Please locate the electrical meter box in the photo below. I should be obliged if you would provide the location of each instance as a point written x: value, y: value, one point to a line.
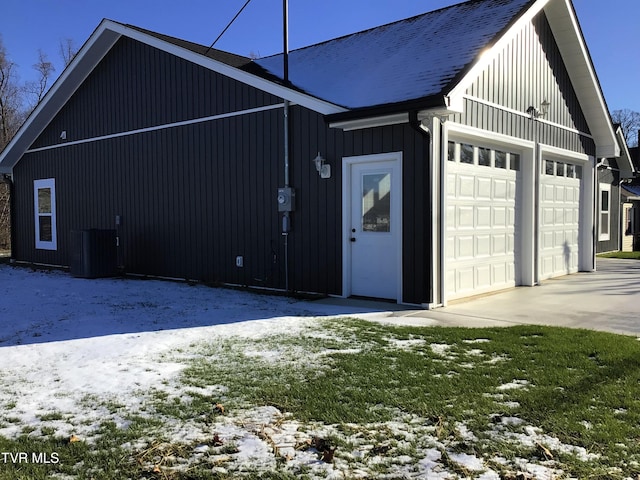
x: 286, y: 199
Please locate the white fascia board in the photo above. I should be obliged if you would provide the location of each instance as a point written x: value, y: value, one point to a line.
x: 94, y: 50
x: 575, y: 54
x: 455, y: 98
x: 91, y: 53
x: 357, y: 124
x: 312, y: 103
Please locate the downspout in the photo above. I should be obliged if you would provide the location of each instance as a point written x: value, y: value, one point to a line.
x: 286, y: 219
x: 425, y: 133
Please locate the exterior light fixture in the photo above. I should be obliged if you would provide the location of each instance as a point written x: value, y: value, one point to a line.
x: 544, y: 108
x: 534, y: 113
x: 323, y: 169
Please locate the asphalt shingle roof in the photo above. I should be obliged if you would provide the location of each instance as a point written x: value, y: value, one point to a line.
x: 411, y: 59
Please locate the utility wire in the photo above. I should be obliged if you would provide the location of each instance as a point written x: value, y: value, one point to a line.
x: 227, y: 27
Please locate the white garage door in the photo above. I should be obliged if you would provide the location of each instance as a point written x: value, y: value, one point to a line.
x: 483, y: 188
x: 559, y: 218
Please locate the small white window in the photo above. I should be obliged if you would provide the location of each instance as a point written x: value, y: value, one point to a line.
x: 605, y: 212
x: 44, y: 197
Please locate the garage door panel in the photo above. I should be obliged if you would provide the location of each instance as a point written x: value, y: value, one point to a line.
x: 483, y: 217
x: 483, y: 186
x: 500, y: 189
x: 483, y: 245
x: 483, y: 276
x: 481, y: 239
x: 465, y: 216
x: 499, y: 245
x: 466, y: 187
x: 464, y: 247
x: 560, y: 216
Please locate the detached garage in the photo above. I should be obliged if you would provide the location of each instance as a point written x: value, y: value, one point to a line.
x: 434, y: 158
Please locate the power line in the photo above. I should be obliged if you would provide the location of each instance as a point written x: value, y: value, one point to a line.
x: 227, y: 27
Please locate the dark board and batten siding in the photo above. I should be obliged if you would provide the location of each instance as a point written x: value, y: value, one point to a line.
x: 193, y: 197
x: 137, y: 86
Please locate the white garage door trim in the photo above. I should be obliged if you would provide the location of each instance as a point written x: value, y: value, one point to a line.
x: 556, y: 260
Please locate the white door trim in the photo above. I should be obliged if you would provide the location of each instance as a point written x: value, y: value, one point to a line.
x: 463, y: 133
x: 396, y: 212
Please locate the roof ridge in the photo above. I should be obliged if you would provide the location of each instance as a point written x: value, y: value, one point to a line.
x: 386, y: 25
x: 229, y: 58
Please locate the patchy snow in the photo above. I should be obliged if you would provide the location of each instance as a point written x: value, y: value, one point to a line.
x: 75, y: 353
x: 514, y: 385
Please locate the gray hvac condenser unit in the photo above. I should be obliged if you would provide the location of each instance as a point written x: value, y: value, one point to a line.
x: 93, y: 253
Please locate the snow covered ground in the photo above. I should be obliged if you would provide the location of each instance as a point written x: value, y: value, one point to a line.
x: 68, y: 346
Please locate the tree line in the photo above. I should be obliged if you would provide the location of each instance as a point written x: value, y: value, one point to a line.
x: 18, y: 98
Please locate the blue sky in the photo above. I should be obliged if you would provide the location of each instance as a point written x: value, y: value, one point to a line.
x: 610, y: 28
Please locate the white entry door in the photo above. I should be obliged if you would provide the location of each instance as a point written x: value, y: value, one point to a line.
x: 373, y: 226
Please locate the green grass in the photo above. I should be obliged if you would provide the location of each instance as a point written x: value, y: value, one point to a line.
x: 626, y: 255
x: 580, y: 387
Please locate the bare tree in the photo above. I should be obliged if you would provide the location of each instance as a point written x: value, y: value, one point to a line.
x: 37, y: 88
x: 11, y: 113
x: 67, y: 50
x: 629, y: 121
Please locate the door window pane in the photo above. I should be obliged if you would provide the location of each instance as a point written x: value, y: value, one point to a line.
x: 466, y: 153
x: 44, y: 200
x: 514, y: 161
x: 46, y: 233
x: 549, y: 167
x: 376, y: 202
x: 501, y: 159
x: 484, y: 157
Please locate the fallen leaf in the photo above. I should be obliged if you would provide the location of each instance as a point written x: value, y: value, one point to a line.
x: 74, y: 439
x: 219, y: 408
x: 156, y: 469
x: 216, y: 440
x: 545, y: 451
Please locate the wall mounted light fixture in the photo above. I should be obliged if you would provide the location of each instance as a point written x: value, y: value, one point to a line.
x: 63, y: 135
x: 537, y: 113
x: 323, y: 169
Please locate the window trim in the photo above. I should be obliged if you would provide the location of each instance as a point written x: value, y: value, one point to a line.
x: 49, y: 183
x: 604, y: 216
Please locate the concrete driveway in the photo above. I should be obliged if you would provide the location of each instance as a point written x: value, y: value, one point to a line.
x: 606, y: 300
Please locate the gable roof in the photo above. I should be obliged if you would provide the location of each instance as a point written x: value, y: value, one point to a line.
x: 624, y: 161
x: 410, y: 60
x: 421, y: 63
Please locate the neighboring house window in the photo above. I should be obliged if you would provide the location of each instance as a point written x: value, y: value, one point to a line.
x: 44, y: 196
x: 605, y: 211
